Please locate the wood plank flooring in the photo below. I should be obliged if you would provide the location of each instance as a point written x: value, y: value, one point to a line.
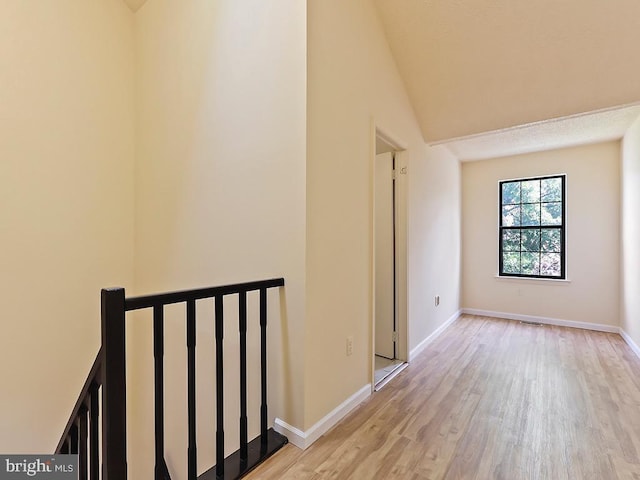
x: 490, y: 399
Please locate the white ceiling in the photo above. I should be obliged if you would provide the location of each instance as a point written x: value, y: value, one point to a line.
x: 473, y: 66
x: 604, y: 125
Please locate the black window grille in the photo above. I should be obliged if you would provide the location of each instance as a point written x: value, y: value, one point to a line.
x: 532, y: 227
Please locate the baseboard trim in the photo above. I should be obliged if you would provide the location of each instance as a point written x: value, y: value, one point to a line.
x: 633, y: 345
x: 293, y: 434
x: 546, y: 320
x: 417, y: 350
x: 304, y: 439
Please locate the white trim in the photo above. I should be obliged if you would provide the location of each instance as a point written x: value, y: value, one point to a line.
x: 304, y: 439
x: 423, y: 344
x: 507, y: 278
x: 546, y: 320
x: 294, y: 435
x: 633, y: 345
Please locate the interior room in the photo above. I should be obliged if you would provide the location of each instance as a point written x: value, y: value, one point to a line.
x: 361, y: 151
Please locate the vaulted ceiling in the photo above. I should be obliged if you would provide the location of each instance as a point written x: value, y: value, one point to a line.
x: 473, y: 66
x: 497, y: 77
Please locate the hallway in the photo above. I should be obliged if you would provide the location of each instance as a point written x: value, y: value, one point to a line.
x: 490, y: 399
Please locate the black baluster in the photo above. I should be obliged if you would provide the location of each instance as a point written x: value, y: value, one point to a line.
x: 191, y: 386
x: 242, y: 314
x: 94, y: 416
x: 82, y: 439
x: 73, y: 436
x: 263, y: 368
x: 219, y: 319
x: 158, y: 357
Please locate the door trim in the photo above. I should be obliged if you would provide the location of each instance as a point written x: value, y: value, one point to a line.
x: 401, y: 157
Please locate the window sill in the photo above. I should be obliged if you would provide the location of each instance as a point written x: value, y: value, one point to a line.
x: 561, y: 281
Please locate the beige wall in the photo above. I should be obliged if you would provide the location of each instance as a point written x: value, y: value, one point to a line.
x: 66, y: 202
x: 593, y: 236
x: 630, y: 255
x: 434, y: 242
x: 220, y: 177
x: 352, y: 78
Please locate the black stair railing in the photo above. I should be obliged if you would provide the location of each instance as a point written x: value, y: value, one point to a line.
x: 108, y: 378
x: 81, y: 433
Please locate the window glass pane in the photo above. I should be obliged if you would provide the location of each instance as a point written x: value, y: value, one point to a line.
x: 531, y: 214
x: 510, y: 193
x: 551, y: 190
x: 511, y: 216
x: 530, y: 240
x: 531, y: 191
x: 550, y: 264
x: 511, y: 263
x: 550, y: 240
x: 552, y: 213
x: 511, y: 240
x: 530, y: 263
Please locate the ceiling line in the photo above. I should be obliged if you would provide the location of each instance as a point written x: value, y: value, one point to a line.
x: 532, y: 124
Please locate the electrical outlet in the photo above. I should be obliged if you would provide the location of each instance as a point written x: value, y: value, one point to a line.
x: 349, y: 345
x: 437, y: 300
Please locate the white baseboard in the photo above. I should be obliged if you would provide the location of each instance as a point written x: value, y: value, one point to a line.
x: 423, y: 344
x: 304, y: 439
x: 546, y: 320
x: 633, y: 345
x: 293, y: 434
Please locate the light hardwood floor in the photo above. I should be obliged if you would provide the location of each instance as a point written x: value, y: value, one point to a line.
x: 490, y: 399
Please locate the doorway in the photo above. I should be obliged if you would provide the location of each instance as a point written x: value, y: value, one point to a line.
x: 387, y: 359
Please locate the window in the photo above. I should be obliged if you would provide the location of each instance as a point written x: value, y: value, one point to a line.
x: 532, y: 227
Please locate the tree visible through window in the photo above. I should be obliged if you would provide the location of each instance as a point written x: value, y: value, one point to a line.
x: 532, y: 220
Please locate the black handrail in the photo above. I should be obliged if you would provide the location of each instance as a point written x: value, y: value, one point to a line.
x: 108, y: 378
x: 148, y: 301
x: 87, y: 396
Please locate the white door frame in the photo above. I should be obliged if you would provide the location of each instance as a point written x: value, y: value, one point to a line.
x: 400, y: 149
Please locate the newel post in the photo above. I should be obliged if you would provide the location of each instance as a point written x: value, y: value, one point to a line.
x: 114, y: 395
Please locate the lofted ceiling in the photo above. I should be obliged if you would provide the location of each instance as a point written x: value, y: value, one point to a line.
x: 601, y: 126
x: 489, y: 78
x: 475, y: 66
